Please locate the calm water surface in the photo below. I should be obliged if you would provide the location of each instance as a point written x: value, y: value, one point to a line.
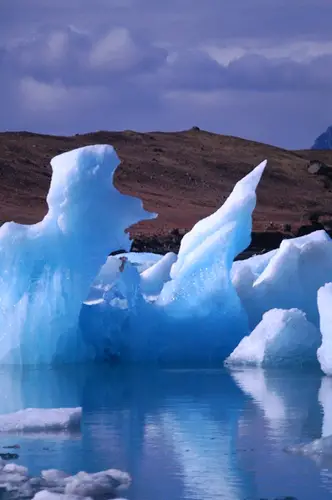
x: 181, y: 434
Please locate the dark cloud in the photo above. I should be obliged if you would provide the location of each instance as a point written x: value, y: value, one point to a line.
x: 197, y: 71
x: 256, y: 69
x: 76, y: 58
x: 182, y: 21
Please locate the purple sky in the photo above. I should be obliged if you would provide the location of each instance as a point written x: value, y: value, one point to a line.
x: 260, y: 69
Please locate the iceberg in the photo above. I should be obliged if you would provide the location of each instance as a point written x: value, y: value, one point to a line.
x: 295, y: 280
x: 56, y: 485
x: 287, y: 278
x: 153, y: 279
x: 324, y: 352
x: 195, y: 315
x: 283, y: 337
x: 35, y: 420
x: 64, y: 299
x: 47, y: 269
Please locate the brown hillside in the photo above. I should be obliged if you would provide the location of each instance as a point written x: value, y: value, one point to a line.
x: 183, y: 175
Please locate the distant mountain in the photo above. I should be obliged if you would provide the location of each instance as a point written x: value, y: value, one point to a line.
x: 324, y: 141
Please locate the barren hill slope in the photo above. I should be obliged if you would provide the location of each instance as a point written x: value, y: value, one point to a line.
x: 182, y: 175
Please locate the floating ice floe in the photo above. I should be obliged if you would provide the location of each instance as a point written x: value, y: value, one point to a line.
x: 36, y: 420
x: 295, y: 276
x: 57, y: 485
x: 325, y: 312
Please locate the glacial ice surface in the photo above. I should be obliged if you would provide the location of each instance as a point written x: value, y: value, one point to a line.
x: 297, y: 275
x: 153, y: 279
x: 286, y: 278
x: 324, y: 352
x: 195, y: 314
x: 47, y: 269
x: 35, y: 420
x: 63, y: 299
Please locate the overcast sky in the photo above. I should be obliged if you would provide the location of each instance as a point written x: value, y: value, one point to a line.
x: 260, y: 69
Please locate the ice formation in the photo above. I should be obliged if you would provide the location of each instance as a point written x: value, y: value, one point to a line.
x: 195, y: 314
x: 63, y: 299
x: 35, y: 420
x: 324, y: 353
x: 154, y: 278
x: 56, y: 485
x: 295, y: 276
x: 46, y: 270
x: 283, y: 337
x: 287, y: 278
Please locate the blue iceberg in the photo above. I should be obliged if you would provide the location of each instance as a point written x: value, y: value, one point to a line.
x: 64, y: 299
x: 286, y: 294
x: 178, y: 311
x: 47, y: 269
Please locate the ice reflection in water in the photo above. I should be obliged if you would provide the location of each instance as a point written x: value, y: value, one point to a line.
x: 181, y: 434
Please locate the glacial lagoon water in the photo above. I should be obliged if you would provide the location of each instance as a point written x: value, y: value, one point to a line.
x: 182, y: 434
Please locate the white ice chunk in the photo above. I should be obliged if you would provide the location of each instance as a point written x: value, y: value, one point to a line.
x: 291, y: 278
x: 101, y: 484
x: 283, y: 337
x: 33, y: 420
x: 16, y: 483
x: 324, y: 353
x: 154, y: 278
x: 15, y: 469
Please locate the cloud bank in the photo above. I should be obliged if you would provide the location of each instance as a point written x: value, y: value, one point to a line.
x: 241, y: 68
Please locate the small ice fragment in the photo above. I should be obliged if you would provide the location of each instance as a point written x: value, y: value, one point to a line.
x: 101, y: 484
x: 33, y: 420
x: 54, y: 484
